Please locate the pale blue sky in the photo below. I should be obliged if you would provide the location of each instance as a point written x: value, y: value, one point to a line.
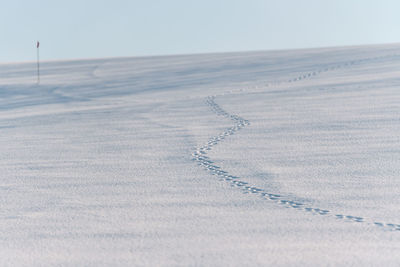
x: 99, y: 28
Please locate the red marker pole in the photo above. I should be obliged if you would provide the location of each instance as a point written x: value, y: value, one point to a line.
x: 38, y: 69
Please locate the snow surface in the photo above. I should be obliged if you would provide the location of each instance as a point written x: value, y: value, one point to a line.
x: 274, y: 158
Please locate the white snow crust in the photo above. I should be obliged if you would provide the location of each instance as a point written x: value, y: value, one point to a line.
x: 280, y: 158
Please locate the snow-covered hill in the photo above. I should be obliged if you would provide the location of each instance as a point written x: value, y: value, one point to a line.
x: 261, y: 158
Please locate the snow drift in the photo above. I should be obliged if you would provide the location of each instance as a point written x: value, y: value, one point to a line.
x: 258, y: 158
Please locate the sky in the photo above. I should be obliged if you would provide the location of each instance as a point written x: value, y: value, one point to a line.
x: 71, y: 29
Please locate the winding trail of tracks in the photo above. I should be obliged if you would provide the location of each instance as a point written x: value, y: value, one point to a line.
x: 200, y: 156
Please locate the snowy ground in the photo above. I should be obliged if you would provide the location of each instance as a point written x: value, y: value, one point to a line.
x: 242, y: 159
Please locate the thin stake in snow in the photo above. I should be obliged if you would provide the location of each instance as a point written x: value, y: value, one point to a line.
x: 38, y: 68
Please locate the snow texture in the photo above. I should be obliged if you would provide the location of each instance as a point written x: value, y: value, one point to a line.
x: 277, y: 158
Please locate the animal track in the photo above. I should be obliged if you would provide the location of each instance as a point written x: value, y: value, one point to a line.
x: 200, y: 156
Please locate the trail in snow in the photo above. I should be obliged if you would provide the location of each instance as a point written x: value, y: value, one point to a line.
x: 200, y: 156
